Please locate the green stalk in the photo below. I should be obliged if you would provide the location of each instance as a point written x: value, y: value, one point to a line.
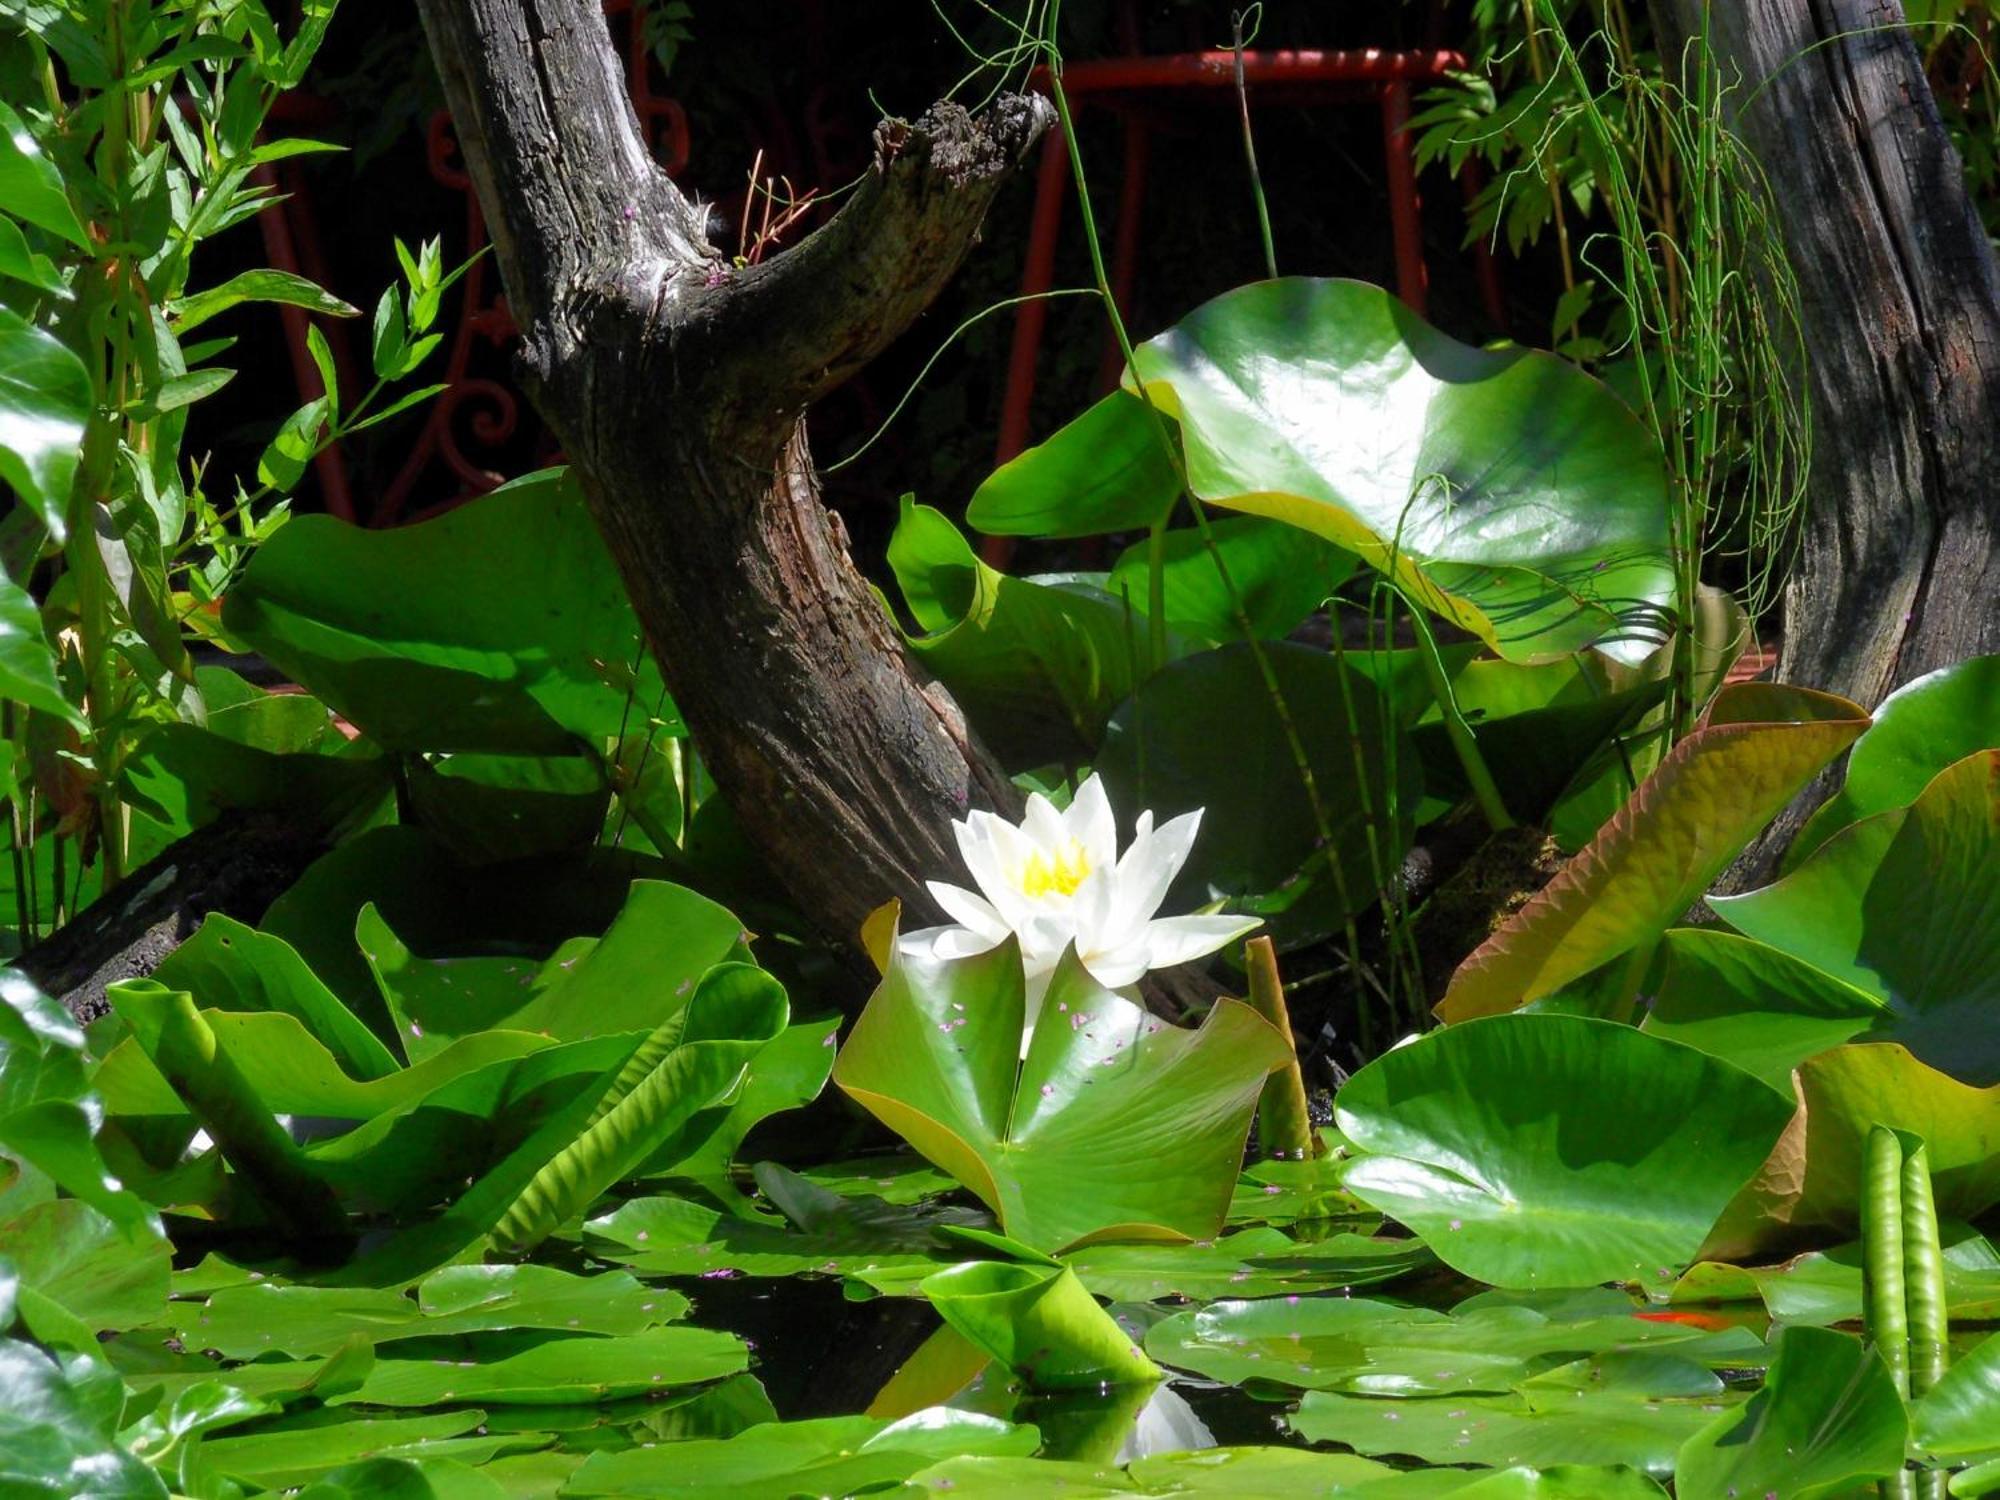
x: 1923, y: 1275
x: 1236, y: 21
x: 1322, y: 823
x: 1924, y: 1291
x: 1284, y: 1124
x: 1885, y: 1307
x: 1485, y: 791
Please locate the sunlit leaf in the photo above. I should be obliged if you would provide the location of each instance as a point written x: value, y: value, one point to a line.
x: 1827, y: 1420
x: 1516, y: 1146
x: 1755, y: 748
x: 1115, y: 1125
x: 45, y: 400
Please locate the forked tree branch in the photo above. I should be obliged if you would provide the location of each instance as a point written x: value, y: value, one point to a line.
x: 677, y: 383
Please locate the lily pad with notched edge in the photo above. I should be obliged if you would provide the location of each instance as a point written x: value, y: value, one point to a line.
x: 1367, y: 1347
x: 1502, y: 488
x: 1116, y: 1125
x: 1511, y: 1145
x: 1922, y: 727
x: 1905, y: 906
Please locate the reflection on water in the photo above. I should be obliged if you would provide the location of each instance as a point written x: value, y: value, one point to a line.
x: 820, y: 1355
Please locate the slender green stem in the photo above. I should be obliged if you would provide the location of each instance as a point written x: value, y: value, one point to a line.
x: 1464, y: 744
x: 1322, y: 823
x: 1237, y: 21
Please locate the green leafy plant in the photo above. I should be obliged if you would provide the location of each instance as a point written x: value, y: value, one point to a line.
x: 134, y: 135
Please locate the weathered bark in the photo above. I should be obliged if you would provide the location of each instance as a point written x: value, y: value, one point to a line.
x: 678, y: 384
x: 1899, y: 568
x: 237, y: 865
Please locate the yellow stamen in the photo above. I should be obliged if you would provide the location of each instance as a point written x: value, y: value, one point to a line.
x: 1062, y: 876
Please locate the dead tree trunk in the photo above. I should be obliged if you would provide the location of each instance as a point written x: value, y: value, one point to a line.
x: 678, y: 384
x: 1899, y: 568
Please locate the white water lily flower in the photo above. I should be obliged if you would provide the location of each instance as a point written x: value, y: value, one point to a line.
x: 1058, y: 879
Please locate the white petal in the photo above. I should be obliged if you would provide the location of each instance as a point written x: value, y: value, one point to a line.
x: 1043, y: 938
x: 975, y: 847
x: 922, y: 943
x: 1044, y: 825
x: 1176, y: 940
x: 1090, y: 823
x: 991, y: 847
x: 961, y: 942
x: 1038, y: 989
x: 1117, y: 967
x: 1090, y: 908
x: 968, y: 910
x: 1149, y: 868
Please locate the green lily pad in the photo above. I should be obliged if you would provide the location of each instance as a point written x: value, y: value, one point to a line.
x: 1366, y: 1347
x: 440, y: 906
x: 495, y: 807
x: 1753, y: 1004
x: 1827, y: 1420
x: 607, y: 1131
x: 1248, y: 1263
x: 1116, y: 1125
x: 1504, y: 489
x: 1538, y: 727
x: 184, y: 777
x: 229, y: 966
x: 1818, y: 1168
x: 830, y: 1455
x: 1259, y: 837
x: 1959, y: 1417
x: 253, y: 1321
x: 306, y: 1446
x: 1823, y: 1287
x: 560, y: 1372
x: 1905, y: 906
x: 786, y: 1074
x: 641, y: 971
x: 433, y: 1002
x: 667, y: 1236
x: 1105, y: 471
x: 1757, y: 746
x: 1038, y: 667
x: 1272, y: 1474
x: 1922, y: 727
x: 1278, y: 575
x: 1512, y: 1145
x: 1278, y: 1191
x: 292, y: 1072
x: 1634, y: 1428
x: 407, y: 638
x: 901, y: 1177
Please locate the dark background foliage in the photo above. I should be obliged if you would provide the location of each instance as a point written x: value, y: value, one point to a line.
x: 804, y: 81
